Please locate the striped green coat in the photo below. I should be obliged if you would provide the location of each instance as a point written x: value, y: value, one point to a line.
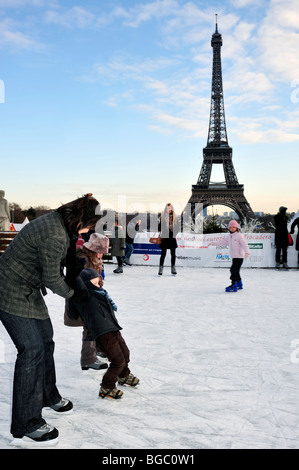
x: 33, y: 260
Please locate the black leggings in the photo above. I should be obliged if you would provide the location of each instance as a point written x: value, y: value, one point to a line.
x: 281, y: 249
x: 119, y: 261
x: 163, y: 254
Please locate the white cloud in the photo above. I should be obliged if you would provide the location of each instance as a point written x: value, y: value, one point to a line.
x: 279, y: 38
x: 243, y: 31
x: 189, y: 125
x: 179, y: 23
x: 267, y: 129
x: 11, y: 37
x: 75, y: 17
x: 122, y: 68
x: 26, y: 3
x: 256, y: 55
x: 250, y: 83
x: 245, y: 3
x: 139, y: 14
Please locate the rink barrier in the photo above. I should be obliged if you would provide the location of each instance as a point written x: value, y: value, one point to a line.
x: 193, y: 251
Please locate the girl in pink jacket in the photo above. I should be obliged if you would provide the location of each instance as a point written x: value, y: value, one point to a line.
x: 238, y: 251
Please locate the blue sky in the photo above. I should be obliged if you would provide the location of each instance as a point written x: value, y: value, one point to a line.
x: 113, y: 97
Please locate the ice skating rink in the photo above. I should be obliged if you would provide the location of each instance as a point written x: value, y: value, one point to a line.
x: 217, y: 370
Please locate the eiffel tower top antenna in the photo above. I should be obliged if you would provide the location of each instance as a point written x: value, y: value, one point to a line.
x: 216, y: 23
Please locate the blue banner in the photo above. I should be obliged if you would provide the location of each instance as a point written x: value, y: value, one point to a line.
x: 146, y: 249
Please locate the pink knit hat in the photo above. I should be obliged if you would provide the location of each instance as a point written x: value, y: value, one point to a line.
x: 233, y: 223
x: 98, y: 243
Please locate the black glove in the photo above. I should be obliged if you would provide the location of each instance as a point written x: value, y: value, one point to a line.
x: 71, y: 310
x: 80, y: 293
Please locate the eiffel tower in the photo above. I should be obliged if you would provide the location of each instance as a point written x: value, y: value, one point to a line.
x: 217, y: 152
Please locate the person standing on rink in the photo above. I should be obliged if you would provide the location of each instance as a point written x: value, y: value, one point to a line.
x: 239, y: 250
x: 132, y: 229
x: 281, y: 238
x: 168, y: 228
x: 34, y: 261
x: 118, y: 243
x: 296, y: 224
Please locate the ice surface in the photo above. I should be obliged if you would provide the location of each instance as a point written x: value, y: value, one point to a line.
x: 217, y: 370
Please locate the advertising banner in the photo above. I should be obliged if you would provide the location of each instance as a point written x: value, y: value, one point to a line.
x: 194, y: 251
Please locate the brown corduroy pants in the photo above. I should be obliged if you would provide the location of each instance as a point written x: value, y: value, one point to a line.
x: 114, y: 346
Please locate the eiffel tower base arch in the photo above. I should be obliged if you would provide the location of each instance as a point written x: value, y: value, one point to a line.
x: 232, y: 198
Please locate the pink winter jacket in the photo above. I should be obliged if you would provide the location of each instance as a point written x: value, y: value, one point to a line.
x: 238, y: 246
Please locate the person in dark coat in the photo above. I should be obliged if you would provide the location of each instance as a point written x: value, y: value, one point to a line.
x: 98, y: 314
x: 281, y: 237
x: 296, y: 224
x: 132, y: 229
x: 34, y: 261
x: 118, y: 243
x: 168, y: 228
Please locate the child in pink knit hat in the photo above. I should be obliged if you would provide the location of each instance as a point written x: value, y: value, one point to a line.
x: 238, y: 251
x: 89, y: 255
x: 98, y: 243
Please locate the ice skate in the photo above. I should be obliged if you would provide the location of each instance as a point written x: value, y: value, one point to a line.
x: 101, y: 354
x: 127, y: 262
x: 232, y: 288
x: 97, y: 365
x: 118, y: 270
x: 45, y: 436
x: 63, y: 406
x: 113, y: 393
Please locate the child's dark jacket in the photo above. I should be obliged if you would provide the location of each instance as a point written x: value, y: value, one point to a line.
x: 96, y: 312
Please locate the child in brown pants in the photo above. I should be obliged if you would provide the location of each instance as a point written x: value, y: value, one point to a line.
x: 97, y: 312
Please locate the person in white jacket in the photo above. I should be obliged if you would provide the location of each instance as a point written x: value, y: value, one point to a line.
x: 239, y: 250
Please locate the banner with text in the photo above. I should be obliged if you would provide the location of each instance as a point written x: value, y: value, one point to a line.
x: 194, y: 250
